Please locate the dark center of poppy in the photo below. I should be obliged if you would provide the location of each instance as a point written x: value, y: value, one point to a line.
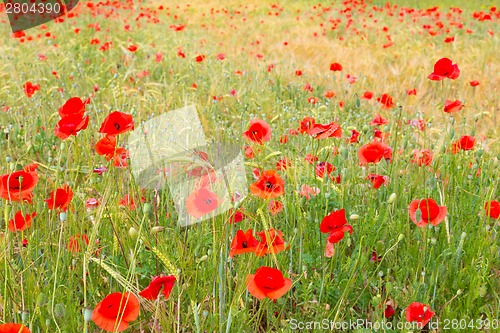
x: 269, y: 185
x: 208, y: 201
x: 244, y: 244
x: 117, y: 126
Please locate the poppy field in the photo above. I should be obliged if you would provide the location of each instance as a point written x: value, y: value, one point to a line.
x: 369, y: 136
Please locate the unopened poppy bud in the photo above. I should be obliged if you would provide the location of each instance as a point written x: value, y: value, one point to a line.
x: 209, y: 252
x: 25, y: 316
x: 62, y: 216
x: 157, y: 229
x: 87, y: 314
x: 8, y: 159
x: 459, y: 292
x: 392, y: 198
x: 12, y: 167
x: 59, y: 310
x: 452, y: 133
x: 327, y: 307
x: 146, y: 208
x: 354, y: 217
x: 203, y: 258
x: 482, y: 291
x: 132, y: 232
x: 8, y: 209
x: 344, y: 152
x: 401, y: 237
x: 380, y: 273
x: 41, y: 299
x: 63, y: 145
x: 47, y: 322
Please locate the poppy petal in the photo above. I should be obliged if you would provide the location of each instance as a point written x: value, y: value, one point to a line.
x: 440, y: 217
x: 253, y: 289
x: 275, y: 294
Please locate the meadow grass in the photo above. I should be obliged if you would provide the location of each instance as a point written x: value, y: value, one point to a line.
x: 453, y: 267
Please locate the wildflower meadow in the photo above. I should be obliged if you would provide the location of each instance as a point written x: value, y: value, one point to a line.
x: 250, y: 166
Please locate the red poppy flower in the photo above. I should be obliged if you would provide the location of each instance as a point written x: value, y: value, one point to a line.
x: 13, y: 328
x: 30, y: 89
x: 132, y: 48
x: 71, y: 125
x: 73, y: 106
x: 19, y: 185
x: 336, y: 224
x: 377, y: 180
x: 444, y: 68
x: 329, y: 249
x: 335, y: 67
x: 367, y: 95
x: 428, y: 211
x: 20, y: 222
x: 329, y: 94
x: 283, y: 164
x: 492, y: 209
x: 270, y: 242
x: 274, y: 207
x: 127, y: 201
x: 332, y: 221
x: 243, y: 242
x: 420, y: 313
x: 323, y: 168
x: 389, y: 311
x: 237, y: 217
x: 120, y: 158
x: 152, y: 291
x: 116, y: 311
x: 411, y: 92
x: 313, y: 100
x: 308, y: 191
x: 117, y: 123
x: 474, y: 83
x: 91, y: 203
x: 268, y: 186
x: 465, y: 142
x: 306, y: 125
x: 76, y: 241
x: 268, y: 282
x: 321, y: 131
x: 258, y: 132
x: 378, y: 120
x: 60, y: 198
x: 310, y: 158
x: 418, y: 123
x: 201, y: 202
x: 386, y: 101
x: 422, y: 157
x: 200, y: 58
x: 375, y: 258
x: 354, y: 136
x: 106, y: 146
x: 249, y: 152
x: 450, y: 106
x: 373, y: 152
